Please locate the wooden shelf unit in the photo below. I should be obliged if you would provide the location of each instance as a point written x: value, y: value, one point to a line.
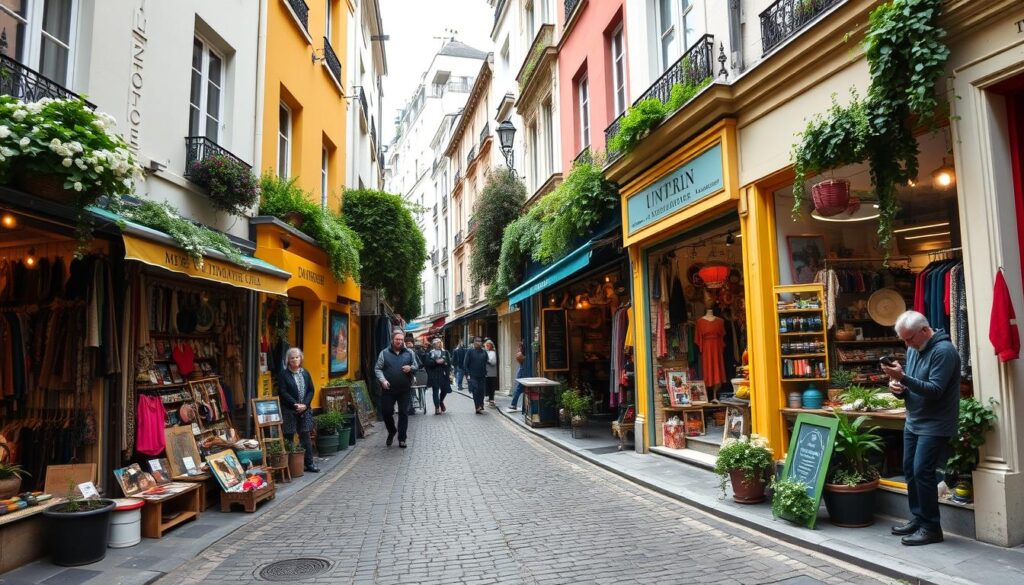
x: 818, y: 358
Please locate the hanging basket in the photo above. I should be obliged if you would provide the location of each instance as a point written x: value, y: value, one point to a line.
x: 831, y: 196
x: 714, y: 275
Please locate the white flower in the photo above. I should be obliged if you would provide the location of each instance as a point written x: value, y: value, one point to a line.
x: 98, y: 169
x: 24, y: 141
x: 81, y: 164
x: 55, y: 143
x: 728, y: 442
x: 67, y: 162
x: 78, y: 186
x: 2, y: 158
x: 19, y: 115
x: 75, y: 146
x: 4, y: 131
x: 7, y: 151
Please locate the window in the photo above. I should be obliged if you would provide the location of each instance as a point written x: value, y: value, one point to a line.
x: 205, y: 97
x: 534, y: 155
x: 327, y: 21
x: 530, y: 30
x: 618, y: 72
x: 583, y: 91
x: 666, y: 32
x: 40, y: 35
x: 324, y: 160
x: 284, y: 142
x: 547, y: 120
x: 673, y: 27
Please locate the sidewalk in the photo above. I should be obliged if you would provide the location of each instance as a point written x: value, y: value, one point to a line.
x: 152, y: 558
x: 958, y: 560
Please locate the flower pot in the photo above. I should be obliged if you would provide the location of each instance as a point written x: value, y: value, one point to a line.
x: 851, y: 507
x: 278, y: 460
x: 835, y: 393
x: 327, y: 444
x: 746, y: 492
x: 831, y: 196
x: 297, y: 464
x: 9, y: 487
x: 344, y: 435
x: 79, y: 538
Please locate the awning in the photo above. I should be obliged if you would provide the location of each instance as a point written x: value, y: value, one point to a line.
x: 576, y: 260
x: 158, y: 249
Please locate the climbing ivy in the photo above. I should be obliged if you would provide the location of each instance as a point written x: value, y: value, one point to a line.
x: 501, y: 201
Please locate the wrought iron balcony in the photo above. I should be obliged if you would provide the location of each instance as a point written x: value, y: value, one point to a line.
x: 28, y: 85
x: 474, y: 294
x: 470, y: 225
x: 485, y: 132
x: 363, y: 107
x: 570, y: 6
x: 460, y: 299
x: 785, y: 18
x: 583, y: 157
x: 301, y: 11
x: 333, y: 64
x: 433, y: 258
x: 444, y: 255
x: 440, y: 306
x: 458, y: 238
x: 696, y: 65
x: 200, y: 148
x: 471, y: 156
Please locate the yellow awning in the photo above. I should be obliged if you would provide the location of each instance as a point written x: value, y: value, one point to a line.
x: 176, y: 260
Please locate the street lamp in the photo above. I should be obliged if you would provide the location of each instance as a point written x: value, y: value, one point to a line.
x: 506, y: 136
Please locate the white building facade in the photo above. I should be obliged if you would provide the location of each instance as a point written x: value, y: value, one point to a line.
x: 367, y: 65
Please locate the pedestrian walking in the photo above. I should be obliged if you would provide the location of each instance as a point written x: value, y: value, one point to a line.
x: 517, y: 388
x: 475, y: 366
x: 394, y: 371
x: 295, y: 389
x: 930, y: 386
x: 459, y: 355
x: 417, y: 352
x: 438, y: 372
x: 492, y: 372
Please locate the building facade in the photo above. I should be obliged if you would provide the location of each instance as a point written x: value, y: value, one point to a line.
x: 366, y: 66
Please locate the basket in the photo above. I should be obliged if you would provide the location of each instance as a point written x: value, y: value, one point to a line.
x: 831, y: 196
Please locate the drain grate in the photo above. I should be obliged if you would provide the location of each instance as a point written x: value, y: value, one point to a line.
x: 292, y: 569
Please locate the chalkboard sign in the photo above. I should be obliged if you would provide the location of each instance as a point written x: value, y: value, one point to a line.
x: 554, y: 346
x: 810, y: 450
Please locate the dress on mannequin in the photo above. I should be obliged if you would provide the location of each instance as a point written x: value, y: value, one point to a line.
x: 710, y: 336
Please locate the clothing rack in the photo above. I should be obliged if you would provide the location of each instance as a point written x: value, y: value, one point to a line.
x: 946, y: 252
x: 866, y: 259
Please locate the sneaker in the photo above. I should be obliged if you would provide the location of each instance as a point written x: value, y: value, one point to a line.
x: 391, y: 439
x: 402, y: 444
x: 479, y: 411
x: 512, y: 409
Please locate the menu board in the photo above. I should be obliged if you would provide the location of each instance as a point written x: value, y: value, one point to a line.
x: 554, y: 346
x: 810, y: 449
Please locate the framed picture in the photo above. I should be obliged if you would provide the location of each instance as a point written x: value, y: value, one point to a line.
x: 694, y: 422
x: 337, y: 398
x: 698, y: 392
x: 133, y: 480
x: 858, y: 333
x: 266, y: 411
x: 338, y: 348
x: 161, y: 470
x: 677, y: 386
x: 733, y: 423
x: 181, y: 444
x: 227, y: 469
x: 806, y: 257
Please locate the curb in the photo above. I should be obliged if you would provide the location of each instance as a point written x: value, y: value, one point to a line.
x: 851, y: 558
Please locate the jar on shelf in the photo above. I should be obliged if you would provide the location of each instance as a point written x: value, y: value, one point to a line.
x: 812, y: 397
x: 795, y: 399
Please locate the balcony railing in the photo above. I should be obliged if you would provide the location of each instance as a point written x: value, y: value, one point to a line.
x: 333, y: 64
x: 570, y: 6
x: 470, y: 156
x: 460, y: 299
x: 433, y: 258
x: 785, y: 18
x: 444, y: 254
x: 458, y: 238
x: 485, y: 132
x: 474, y: 294
x: 696, y: 65
x: 29, y: 85
x: 301, y: 11
x: 199, y: 148
x: 440, y: 306
x: 583, y: 157
x: 470, y: 225
x: 363, y: 107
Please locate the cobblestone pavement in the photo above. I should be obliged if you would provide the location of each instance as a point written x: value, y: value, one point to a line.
x: 475, y: 500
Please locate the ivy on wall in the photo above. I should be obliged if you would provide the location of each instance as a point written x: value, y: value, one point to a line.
x: 648, y: 112
x: 501, y: 201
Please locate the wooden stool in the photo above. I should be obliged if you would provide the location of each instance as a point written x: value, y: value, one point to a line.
x: 286, y: 473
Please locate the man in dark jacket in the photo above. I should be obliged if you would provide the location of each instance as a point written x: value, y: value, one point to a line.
x: 394, y: 371
x: 930, y: 386
x: 458, y: 356
x: 475, y: 366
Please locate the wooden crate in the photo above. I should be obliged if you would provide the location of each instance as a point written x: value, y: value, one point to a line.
x: 248, y: 500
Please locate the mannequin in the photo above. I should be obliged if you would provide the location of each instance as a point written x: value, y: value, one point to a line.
x: 710, y: 334
x: 710, y: 315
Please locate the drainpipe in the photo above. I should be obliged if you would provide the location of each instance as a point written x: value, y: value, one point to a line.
x: 261, y: 79
x: 736, y: 35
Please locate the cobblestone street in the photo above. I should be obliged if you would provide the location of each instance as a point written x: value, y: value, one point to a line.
x: 475, y: 500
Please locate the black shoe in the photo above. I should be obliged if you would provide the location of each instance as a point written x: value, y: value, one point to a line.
x: 391, y: 439
x: 922, y: 537
x: 402, y: 444
x: 312, y: 469
x: 905, y: 529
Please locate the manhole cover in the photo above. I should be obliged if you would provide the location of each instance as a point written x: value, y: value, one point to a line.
x: 291, y: 569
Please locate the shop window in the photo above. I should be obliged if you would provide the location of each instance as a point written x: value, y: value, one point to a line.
x: 284, y: 141
x: 41, y: 34
x: 206, y: 95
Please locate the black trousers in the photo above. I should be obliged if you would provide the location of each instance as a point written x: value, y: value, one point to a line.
x: 492, y: 387
x: 306, y: 444
x: 388, y: 399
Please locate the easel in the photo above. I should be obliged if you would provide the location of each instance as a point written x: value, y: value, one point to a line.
x: 270, y: 429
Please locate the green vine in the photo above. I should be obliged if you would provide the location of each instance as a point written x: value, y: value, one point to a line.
x: 647, y: 113
x: 501, y: 201
x: 518, y: 240
x: 196, y: 240
x: 583, y: 200
x: 906, y: 56
x: 531, y: 64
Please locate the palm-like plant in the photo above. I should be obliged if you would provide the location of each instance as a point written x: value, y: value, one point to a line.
x: 854, y: 446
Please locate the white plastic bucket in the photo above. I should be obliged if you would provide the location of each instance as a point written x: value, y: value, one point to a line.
x: 126, y: 523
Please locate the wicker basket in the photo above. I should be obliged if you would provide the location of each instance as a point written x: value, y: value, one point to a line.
x: 831, y: 196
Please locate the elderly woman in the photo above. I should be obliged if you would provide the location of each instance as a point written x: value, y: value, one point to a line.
x: 438, y: 365
x: 295, y: 389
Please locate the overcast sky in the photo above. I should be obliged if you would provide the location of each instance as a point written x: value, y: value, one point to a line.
x: 412, y: 26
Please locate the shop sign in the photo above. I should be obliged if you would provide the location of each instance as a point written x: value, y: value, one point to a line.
x: 694, y: 180
x: 810, y: 450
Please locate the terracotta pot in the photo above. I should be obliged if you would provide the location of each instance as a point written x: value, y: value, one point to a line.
x: 9, y: 487
x: 277, y: 460
x: 297, y: 464
x: 834, y: 393
x: 745, y: 492
x: 851, y: 507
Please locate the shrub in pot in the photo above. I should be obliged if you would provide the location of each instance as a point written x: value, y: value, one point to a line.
x: 10, y: 478
x: 230, y: 184
x: 790, y: 501
x: 275, y: 453
x: 745, y: 462
x: 839, y: 380
x: 853, y: 480
x: 327, y: 436
x: 79, y: 530
x: 296, y: 459
x: 973, y: 425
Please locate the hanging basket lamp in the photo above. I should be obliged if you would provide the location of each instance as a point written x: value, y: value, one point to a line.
x: 831, y: 196
x: 714, y: 275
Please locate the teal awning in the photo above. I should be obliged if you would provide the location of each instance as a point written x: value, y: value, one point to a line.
x: 577, y: 260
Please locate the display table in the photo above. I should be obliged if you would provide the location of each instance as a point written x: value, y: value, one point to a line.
x: 209, y: 488
x: 161, y: 513
x: 540, y: 403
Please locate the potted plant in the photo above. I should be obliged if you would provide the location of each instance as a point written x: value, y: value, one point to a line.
x: 296, y: 459
x: 565, y: 407
x: 327, y: 435
x: 229, y: 183
x: 839, y: 381
x: 853, y: 479
x: 79, y: 529
x: 745, y: 462
x: 10, y: 476
x: 275, y: 453
x: 791, y: 501
x: 973, y: 425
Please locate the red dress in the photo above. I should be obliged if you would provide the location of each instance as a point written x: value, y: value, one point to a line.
x: 711, y: 341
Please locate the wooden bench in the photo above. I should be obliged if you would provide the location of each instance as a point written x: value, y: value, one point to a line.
x: 160, y: 515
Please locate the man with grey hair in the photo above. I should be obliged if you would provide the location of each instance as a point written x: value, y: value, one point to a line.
x: 394, y: 370
x: 930, y: 386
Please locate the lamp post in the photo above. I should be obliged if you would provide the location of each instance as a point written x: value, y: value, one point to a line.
x: 506, y: 136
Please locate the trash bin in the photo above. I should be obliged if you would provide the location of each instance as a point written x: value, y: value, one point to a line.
x: 126, y: 523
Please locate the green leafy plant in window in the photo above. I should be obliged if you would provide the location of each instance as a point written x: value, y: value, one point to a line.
x: 501, y: 202
x: 230, y: 183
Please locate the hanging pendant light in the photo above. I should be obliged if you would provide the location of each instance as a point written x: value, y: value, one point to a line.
x: 944, y: 177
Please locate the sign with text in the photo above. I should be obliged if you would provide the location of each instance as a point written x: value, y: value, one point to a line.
x: 694, y: 180
x: 810, y: 450
x: 554, y: 346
